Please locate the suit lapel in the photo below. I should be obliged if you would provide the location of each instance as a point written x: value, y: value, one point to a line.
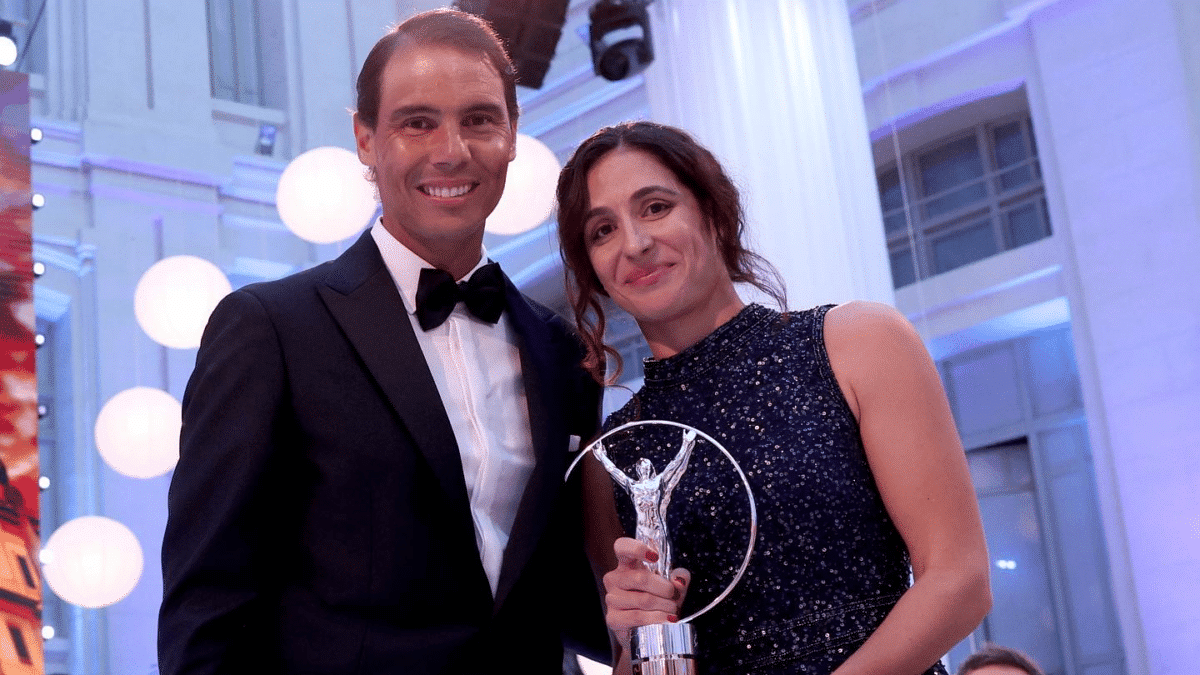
x: 363, y: 299
x: 542, y: 374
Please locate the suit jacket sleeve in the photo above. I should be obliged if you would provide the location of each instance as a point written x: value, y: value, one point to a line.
x: 584, y: 631
x: 226, y: 499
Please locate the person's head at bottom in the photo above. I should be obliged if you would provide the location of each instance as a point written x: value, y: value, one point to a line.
x: 997, y: 660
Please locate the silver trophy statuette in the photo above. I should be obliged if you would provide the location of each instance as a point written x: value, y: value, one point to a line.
x: 669, y: 648
x: 651, y: 493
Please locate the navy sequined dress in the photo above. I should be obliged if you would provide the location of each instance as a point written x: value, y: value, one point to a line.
x: 828, y: 563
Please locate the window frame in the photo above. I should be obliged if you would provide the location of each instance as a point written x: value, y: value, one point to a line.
x: 920, y: 234
x: 1031, y: 428
x: 256, y: 77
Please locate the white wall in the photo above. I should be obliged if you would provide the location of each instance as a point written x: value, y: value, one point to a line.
x: 1117, y: 102
x: 1112, y: 87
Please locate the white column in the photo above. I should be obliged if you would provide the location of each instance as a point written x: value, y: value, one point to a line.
x: 772, y: 88
x: 1115, y: 90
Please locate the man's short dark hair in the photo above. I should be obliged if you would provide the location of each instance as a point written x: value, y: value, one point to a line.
x: 440, y: 27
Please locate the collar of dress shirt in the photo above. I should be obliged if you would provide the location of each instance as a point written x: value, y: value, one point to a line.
x: 405, y: 266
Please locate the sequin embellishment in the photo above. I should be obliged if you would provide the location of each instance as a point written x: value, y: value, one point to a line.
x: 828, y: 564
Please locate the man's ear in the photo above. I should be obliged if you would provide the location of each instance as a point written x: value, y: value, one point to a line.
x: 512, y: 152
x: 364, y: 141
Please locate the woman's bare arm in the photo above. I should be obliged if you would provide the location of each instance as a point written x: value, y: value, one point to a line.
x: 920, y: 468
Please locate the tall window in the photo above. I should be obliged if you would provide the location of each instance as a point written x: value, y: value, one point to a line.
x: 246, y: 51
x: 1019, y: 409
x: 962, y: 199
x: 28, y: 19
x: 54, y: 415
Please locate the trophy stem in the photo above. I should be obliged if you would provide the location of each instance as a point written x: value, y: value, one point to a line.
x: 663, y: 649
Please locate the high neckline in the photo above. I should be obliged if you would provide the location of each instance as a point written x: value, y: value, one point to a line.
x: 709, y: 351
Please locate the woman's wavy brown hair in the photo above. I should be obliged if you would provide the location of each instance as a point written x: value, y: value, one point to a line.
x: 696, y: 168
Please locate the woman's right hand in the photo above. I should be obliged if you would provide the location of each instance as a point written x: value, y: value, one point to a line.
x: 635, y: 596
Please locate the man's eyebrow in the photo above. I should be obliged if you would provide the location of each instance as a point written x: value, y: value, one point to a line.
x: 409, y: 110
x: 490, y: 108
x: 420, y: 109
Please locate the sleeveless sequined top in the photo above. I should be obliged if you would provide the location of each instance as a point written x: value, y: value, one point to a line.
x: 828, y: 563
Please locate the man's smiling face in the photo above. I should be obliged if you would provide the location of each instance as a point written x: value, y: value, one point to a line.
x: 440, y: 150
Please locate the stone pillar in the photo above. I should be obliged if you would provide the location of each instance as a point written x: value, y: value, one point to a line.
x: 772, y: 88
x: 1117, y: 88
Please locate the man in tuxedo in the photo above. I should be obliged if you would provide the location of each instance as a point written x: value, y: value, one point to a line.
x: 372, y: 457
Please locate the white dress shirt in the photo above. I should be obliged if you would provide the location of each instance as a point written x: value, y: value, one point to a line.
x: 477, y: 369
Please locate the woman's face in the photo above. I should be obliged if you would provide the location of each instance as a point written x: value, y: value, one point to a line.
x: 649, y: 243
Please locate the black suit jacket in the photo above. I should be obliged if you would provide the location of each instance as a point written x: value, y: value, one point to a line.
x: 318, y: 516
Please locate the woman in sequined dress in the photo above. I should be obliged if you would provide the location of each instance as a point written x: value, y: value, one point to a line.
x: 836, y: 414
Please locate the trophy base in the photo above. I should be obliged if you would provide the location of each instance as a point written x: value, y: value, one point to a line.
x: 663, y: 649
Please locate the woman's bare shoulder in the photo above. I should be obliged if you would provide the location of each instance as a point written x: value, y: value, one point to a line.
x: 863, y: 324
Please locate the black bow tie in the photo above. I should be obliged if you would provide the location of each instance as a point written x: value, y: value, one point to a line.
x: 437, y: 294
